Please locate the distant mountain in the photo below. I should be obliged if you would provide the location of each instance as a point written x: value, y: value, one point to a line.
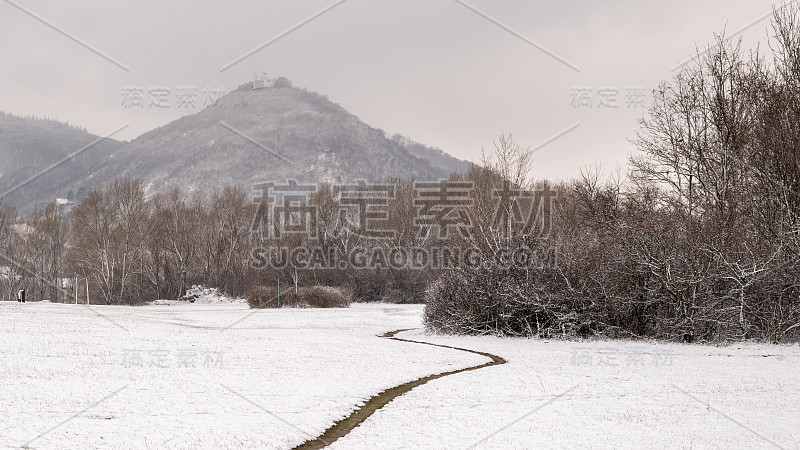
x: 30, y: 145
x: 275, y: 133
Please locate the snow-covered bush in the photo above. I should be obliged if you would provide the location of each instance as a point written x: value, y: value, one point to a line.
x: 494, y: 299
x: 313, y: 296
x: 326, y: 297
x: 261, y: 297
x: 206, y: 295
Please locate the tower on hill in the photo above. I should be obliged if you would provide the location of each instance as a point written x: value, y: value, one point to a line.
x: 262, y: 81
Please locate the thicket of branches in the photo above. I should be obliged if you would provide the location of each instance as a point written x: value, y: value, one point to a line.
x: 701, y: 242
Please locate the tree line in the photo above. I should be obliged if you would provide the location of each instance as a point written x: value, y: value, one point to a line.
x: 129, y: 247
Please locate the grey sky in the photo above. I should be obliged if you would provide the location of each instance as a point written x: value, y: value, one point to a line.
x: 432, y: 70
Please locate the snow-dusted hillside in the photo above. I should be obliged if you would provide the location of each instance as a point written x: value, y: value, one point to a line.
x: 274, y: 134
x: 28, y: 146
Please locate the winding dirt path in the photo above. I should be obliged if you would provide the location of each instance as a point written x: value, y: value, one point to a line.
x: 378, y: 401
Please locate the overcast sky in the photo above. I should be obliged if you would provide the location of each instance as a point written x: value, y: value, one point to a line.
x: 433, y: 70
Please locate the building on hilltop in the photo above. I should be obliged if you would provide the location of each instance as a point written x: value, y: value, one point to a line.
x: 262, y: 81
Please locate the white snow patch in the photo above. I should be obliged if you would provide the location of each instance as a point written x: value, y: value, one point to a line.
x: 598, y: 395
x: 72, y: 377
x: 200, y: 295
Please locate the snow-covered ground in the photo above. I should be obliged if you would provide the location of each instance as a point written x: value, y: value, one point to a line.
x: 196, y: 376
x: 223, y: 376
x: 598, y: 395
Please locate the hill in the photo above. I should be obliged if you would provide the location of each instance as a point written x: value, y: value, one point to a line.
x: 277, y: 133
x: 30, y: 145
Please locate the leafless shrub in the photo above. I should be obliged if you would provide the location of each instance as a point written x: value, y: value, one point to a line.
x: 325, y: 297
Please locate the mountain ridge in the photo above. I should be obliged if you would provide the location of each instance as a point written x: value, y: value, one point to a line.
x: 275, y: 133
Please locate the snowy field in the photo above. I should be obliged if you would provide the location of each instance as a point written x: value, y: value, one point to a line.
x: 599, y: 395
x: 221, y: 376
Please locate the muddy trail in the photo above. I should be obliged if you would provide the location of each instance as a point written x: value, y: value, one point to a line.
x: 378, y: 401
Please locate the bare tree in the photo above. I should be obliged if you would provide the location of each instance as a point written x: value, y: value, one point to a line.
x: 11, y: 274
x: 177, y: 225
x: 111, y: 230
x: 46, y: 241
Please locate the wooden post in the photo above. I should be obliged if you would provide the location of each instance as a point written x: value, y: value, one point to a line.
x: 76, y: 289
x: 279, y: 292
x: 87, y: 291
